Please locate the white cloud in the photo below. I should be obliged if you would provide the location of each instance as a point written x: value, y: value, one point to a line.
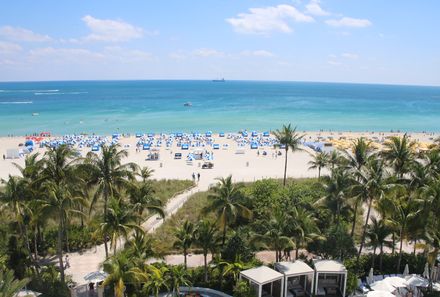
x: 349, y: 22
x: 257, y: 53
x: 111, y: 30
x: 64, y: 54
x: 9, y: 47
x: 350, y: 56
x: 314, y: 8
x: 20, y: 34
x: 208, y: 52
x: 267, y: 19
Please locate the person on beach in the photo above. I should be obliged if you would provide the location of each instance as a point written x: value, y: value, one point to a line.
x: 194, y: 177
x: 67, y: 264
x: 198, y: 176
x: 4, y: 157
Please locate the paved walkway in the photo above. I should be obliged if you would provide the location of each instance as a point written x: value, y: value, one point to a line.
x: 90, y: 260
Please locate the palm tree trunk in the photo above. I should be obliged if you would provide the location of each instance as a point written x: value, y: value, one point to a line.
x: 205, y: 262
x: 364, y: 233
x: 184, y: 258
x: 400, y: 250
x: 297, y: 253
x: 105, y: 221
x: 66, y: 232
x: 353, y: 226
x: 393, y: 248
x: 224, y: 236
x: 285, y: 167
x: 60, y: 249
x: 319, y: 172
x: 381, y: 257
x: 415, y: 245
x: 373, y: 258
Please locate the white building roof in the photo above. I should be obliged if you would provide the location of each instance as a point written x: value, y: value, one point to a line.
x: 293, y: 268
x: 329, y: 266
x: 261, y: 275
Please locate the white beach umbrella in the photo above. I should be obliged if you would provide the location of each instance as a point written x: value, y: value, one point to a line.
x: 406, y: 270
x: 389, y: 284
x: 417, y: 281
x: 380, y: 294
x: 426, y: 271
x: 95, y: 277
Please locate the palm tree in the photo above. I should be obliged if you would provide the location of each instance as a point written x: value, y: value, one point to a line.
x: 320, y: 160
x: 275, y: 234
x: 59, y: 203
x: 121, y: 271
x: 184, y: 238
x: 60, y: 165
x: 372, y: 183
x: 120, y: 221
x: 9, y: 286
x: 337, y: 188
x: 288, y: 138
x: 357, y: 159
x: 140, y: 246
x: 304, y: 230
x: 107, y: 172
x: 225, y: 203
x: 377, y: 234
x: 399, y: 153
x: 207, y: 239
x: 157, y: 280
x: 233, y: 268
x: 142, y: 198
x: 179, y: 276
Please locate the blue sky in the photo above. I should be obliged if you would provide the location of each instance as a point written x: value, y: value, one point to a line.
x: 364, y: 41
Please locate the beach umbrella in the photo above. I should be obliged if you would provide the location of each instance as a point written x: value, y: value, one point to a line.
x: 380, y: 294
x: 95, y: 277
x: 27, y: 293
x: 389, y: 284
x: 417, y: 281
x: 426, y: 271
x: 406, y: 270
x: 370, y: 278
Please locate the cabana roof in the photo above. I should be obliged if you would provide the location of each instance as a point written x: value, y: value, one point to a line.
x: 262, y: 275
x: 294, y: 268
x: 329, y: 266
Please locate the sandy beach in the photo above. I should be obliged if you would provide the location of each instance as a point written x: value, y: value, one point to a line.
x: 247, y: 165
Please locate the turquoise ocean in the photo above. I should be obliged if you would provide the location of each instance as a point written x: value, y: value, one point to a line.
x: 105, y: 107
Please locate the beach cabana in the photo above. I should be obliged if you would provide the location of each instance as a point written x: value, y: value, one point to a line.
x: 146, y: 147
x: 244, y: 134
x: 12, y: 153
x: 265, y: 281
x: 254, y: 145
x: 139, y: 135
x: 185, y: 146
x: 179, y: 134
x: 95, y: 148
x: 150, y: 135
x: 216, y: 146
x: 115, y: 135
x: 266, y: 134
x: 208, y: 134
x: 330, y: 278
x: 221, y: 134
x: 254, y: 134
x: 298, y: 278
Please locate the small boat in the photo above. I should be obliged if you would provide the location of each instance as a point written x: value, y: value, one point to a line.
x: 34, y: 114
x: 187, y: 104
x: 218, y: 80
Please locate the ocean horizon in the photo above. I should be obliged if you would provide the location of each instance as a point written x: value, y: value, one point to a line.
x: 130, y: 106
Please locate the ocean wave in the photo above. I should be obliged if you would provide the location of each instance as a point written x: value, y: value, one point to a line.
x: 16, y: 102
x: 59, y: 93
x: 29, y: 91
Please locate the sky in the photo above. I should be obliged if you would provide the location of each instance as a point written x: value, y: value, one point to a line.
x: 359, y: 41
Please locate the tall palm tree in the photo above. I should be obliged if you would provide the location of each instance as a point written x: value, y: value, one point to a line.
x: 60, y: 165
x: 357, y: 159
x: 399, y: 153
x: 9, y: 286
x: 207, y: 239
x: 304, y: 230
x: 290, y: 139
x: 371, y: 186
x: 225, y: 202
x: 121, y: 220
x: 179, y: 277
x: 59, y: 203
x: 109, y: 175
x: 184, y: 238
x: 320, y: 160
x: 140, y: 246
